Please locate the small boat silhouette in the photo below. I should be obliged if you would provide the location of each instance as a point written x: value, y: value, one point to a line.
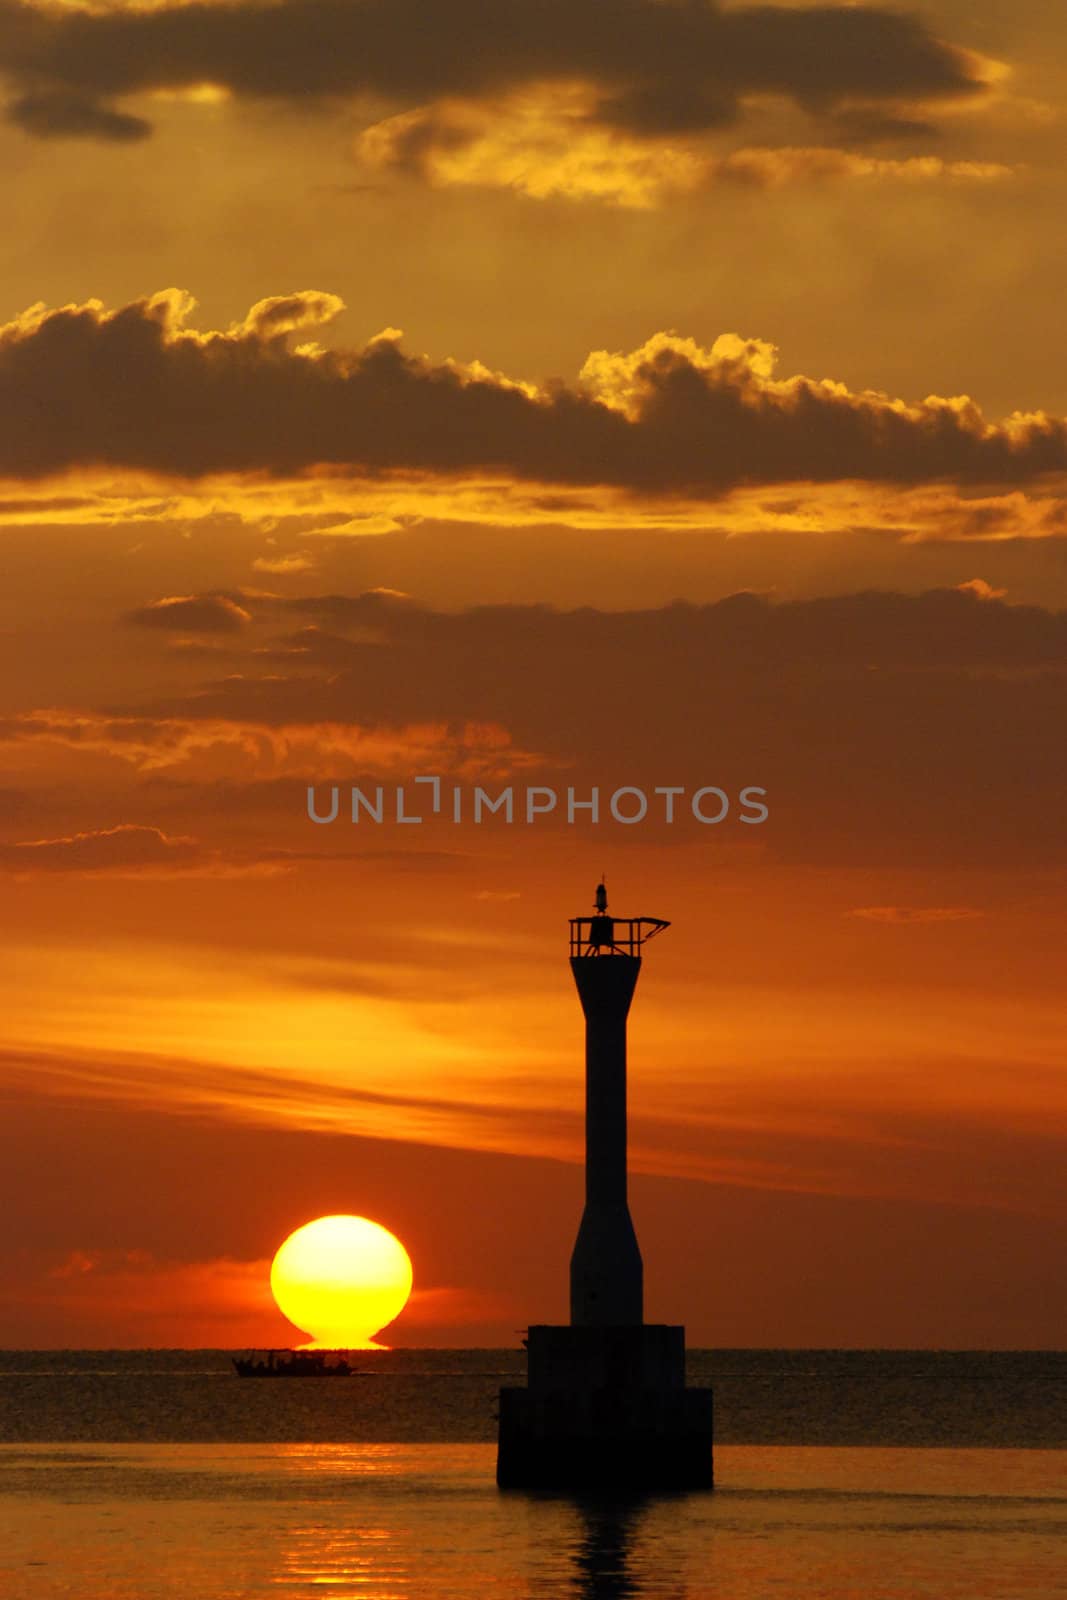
x: 291, y: 1364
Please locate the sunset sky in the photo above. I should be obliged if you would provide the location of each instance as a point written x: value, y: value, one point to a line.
x: 610, y: 392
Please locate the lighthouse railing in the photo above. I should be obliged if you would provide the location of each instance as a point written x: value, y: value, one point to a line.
x: 604, y: 935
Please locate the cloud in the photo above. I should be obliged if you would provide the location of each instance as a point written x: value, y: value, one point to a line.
x: 63, y: 114
x: 539, y: 146
x: 553, y: 146
x: 295, y: 1099
x: 367, y: 609
x: 980, y: 589
x: 208, y: 1255
x: 886, y: 728
x: 907, y: 915
x: 223, y: 747
x: 450, y: 1308
x: 126, y: 847
x: 137, y: 388
x: 283, y: 314
x: 189, y: 613
x: 654, y: 69
x: 875, y: 124
x: 222, y: 1302
x: 65, y: 503
x: 771, y: 167
x: 966, y: 627
x: 216, y: 1303
x: 133, y: 850
x: 281, y: 566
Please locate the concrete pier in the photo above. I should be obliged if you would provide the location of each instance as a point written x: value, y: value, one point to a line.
x: 605, y: 1408
x: 606, y: 1405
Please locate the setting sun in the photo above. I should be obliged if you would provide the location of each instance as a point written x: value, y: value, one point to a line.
x: 341, y: 1279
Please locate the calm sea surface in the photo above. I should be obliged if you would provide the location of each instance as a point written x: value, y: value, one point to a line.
x: 139, y: 1475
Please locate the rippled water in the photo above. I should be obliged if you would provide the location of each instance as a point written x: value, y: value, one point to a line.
x: 810, y: 1397
x: 153, y: 1475
x: 217, y: 1522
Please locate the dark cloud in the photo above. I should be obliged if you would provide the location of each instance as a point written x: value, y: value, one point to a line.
x: 887, y: 729
x: 874, y: 125
x: 191, y: 613
x: 658, y: 67
x: 966, y: 627
x: 61, y: 114
x: 655, y: 109
x: 345, y: 611
x: 31, y: 508
x: 136, y: 388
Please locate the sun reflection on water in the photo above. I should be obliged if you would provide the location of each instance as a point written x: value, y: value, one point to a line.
x: 359, y: 1561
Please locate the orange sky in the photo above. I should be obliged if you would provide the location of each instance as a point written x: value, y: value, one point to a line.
x: 725, y: 443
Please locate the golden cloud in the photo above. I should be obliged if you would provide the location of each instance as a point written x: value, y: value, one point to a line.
x: 537, y: 145
x: 547, y: 143
x: 204, y: 747
x: 189, y: 613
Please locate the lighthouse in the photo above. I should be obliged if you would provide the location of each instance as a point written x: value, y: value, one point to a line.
x: 606, y: 1404
x: 606, y: 1270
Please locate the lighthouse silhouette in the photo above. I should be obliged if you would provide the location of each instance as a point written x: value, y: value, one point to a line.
x: 606, y: 1404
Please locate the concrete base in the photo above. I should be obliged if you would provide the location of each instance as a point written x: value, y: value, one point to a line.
x: 606, y: 1408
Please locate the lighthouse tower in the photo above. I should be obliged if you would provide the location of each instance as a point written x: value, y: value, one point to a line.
x: 606, y: 1271
x: 606, y: 1403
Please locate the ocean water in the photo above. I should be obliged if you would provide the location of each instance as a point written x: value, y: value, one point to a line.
x: 153, y: 1475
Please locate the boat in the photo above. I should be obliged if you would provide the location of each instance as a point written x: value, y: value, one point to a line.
x: 291, y: 1364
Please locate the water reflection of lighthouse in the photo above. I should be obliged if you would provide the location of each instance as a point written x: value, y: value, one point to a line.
x: 606, y: 1402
